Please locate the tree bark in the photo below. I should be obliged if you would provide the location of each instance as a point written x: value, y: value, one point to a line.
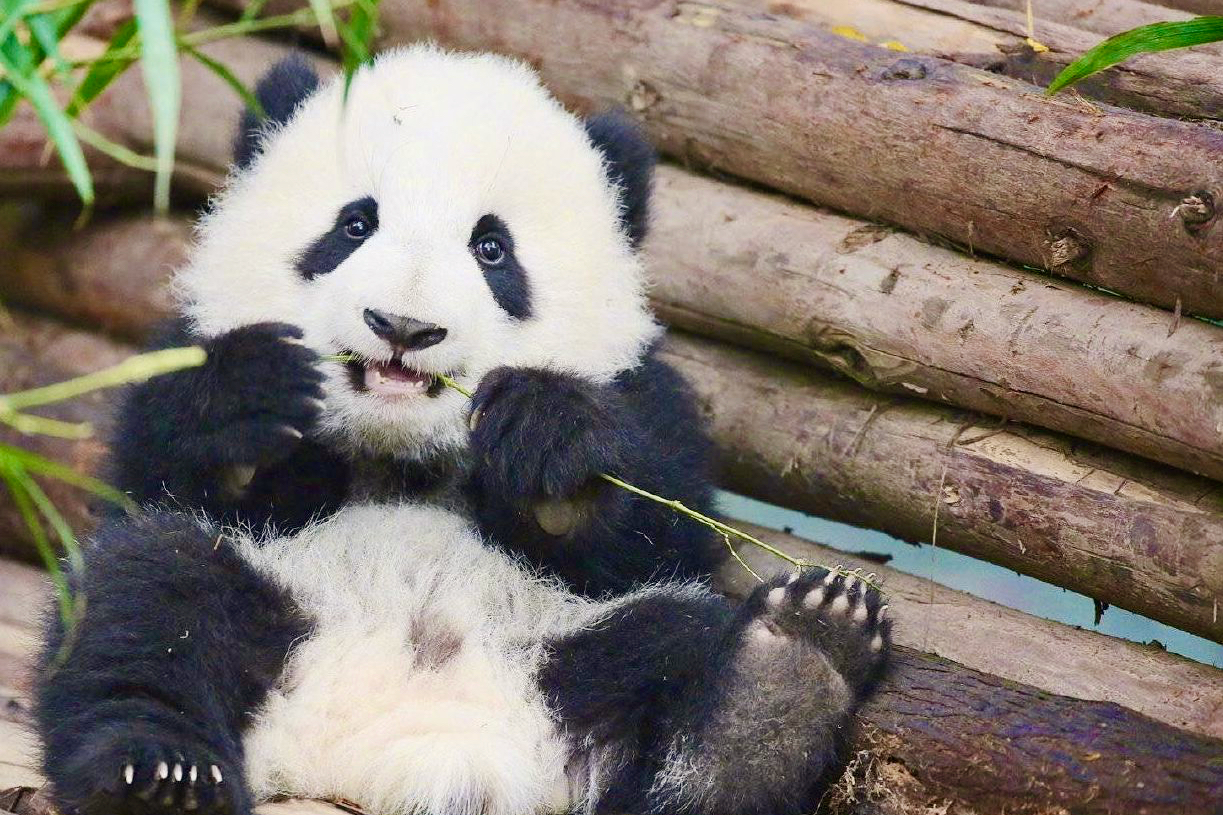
x: 1195, y: 6
x: 902, y: 316
x: 111, y: 276
x: 937, y: 733
x: 1058, y: 658
x: 1177, y: 83
x: 933, y: 146
x: 1106, y: 18
x: 36, y: 352
x: 1121, y: 530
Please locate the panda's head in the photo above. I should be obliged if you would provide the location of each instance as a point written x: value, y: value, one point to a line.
x: 448, y: 216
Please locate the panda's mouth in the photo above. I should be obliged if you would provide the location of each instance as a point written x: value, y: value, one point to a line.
x: 392, y: 379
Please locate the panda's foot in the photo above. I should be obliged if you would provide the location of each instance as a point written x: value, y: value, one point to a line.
x: 152, y: 777
x: 843, y: 616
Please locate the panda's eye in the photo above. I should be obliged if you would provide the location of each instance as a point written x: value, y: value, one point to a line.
x: 490, y: 250
x: 357, y: 227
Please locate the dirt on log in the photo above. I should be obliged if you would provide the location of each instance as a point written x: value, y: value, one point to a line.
x: 939, y: 734
x: 1100, y: 194
x: 901, y: 316
x: 36, y: 352
x: 1118, y: 529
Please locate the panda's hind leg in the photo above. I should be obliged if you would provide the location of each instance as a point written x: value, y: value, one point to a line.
x: 777, y: 719
x: 141, y: 705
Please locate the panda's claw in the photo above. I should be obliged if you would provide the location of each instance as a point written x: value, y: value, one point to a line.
x: 839, y: 613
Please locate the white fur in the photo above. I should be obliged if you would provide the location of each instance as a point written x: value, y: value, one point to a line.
x: 365, y: 712
x: 439, y: 140
x: 375, y: 706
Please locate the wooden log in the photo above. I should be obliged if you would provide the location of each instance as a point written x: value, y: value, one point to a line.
x: 938, y: 733
x: 1119, y: 529
x: 936, y: 147
x: 1058, y: 658
x: 36, y: 352
x: 112, y: 275
x: 1107, y: 18
x: 902, y: 316
x: 1180, y: 83
x: 1195, y: 6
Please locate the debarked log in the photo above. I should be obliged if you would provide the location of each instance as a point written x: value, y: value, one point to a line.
x: 1119, y: 529
x: 939, y: 734
x: 902, y: 316
x: 1111, y: 197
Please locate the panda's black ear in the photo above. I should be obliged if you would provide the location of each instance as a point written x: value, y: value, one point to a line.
x: 279, y: 91
x: 630, y: 166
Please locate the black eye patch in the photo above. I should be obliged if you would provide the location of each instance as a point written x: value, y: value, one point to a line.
x: 493, y: 248
x: 354, y: 224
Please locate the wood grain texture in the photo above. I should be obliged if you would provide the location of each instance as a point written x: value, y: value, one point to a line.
x: 1119, y: 529
x: 939, y: 733
x: 937, y: 147
x: 902, y: 316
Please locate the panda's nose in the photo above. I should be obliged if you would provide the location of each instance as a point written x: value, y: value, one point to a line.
x: 403, y: 332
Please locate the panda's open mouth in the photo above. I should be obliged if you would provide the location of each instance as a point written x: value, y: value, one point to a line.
x: 391, y: 379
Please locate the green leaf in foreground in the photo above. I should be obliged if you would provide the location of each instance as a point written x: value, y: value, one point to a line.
x: 102, y: 72
x: 34, y: 88
x: 1142, y: 40
x: 159, y: 61
x: 228, y: 77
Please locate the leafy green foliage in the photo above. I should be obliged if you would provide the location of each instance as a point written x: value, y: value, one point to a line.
x: 32, y: 68
x: 1142, y: 40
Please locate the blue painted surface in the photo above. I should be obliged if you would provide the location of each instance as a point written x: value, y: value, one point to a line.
x: 975, y: 577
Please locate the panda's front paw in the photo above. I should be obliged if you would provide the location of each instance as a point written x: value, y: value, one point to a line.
x: 151, y: 776
x: 539, y: 435
x: 262, y: 393
x: 843, y: 616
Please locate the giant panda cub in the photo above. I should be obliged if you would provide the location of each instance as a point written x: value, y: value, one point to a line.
x: 348, y: 582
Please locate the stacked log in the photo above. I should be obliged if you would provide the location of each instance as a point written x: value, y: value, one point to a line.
x: 955, y: 388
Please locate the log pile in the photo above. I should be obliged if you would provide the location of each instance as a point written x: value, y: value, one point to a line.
x: 925, y: 357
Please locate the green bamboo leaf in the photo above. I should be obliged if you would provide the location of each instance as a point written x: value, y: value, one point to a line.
x: 159, y: 61
x: 115, y: 150
x: 62, y: 472
x: 43, y: 29
x: 1142, y: 40
x: 59, y: 127
x: 46, y: 507
x: 102, y: 72
x: 11, y: 47
x: 228, y: 77
x: 16, y: 478
x: 326, y: 21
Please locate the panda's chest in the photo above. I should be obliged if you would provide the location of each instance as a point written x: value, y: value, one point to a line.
x: 415, y: 689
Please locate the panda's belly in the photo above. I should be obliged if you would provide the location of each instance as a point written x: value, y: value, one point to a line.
x: 415, y: 691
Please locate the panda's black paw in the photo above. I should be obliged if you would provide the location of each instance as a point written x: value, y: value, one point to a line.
x: 539, y: 434
x: 150, y: 776
x: 261, y: 393
x: 843, y: 616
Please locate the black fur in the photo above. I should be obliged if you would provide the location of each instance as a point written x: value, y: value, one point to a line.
x: 180, y: 643
x: 506, y: 280
x: 630, y: 166
x: 546, y: 435
x: 285, y: 86
x: 182, y: 439
x: 334, y: 246
x: 662, y: 672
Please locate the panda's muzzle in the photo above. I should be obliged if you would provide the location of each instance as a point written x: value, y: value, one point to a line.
x: 405, y: 333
